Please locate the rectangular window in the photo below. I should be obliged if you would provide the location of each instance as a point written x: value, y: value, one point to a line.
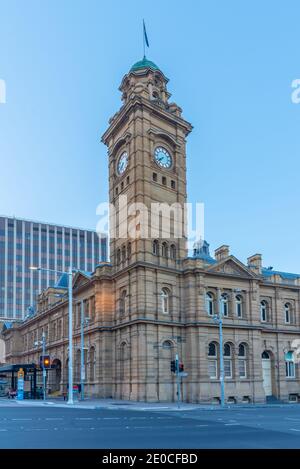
x: 154, y: 177
x: 242, y: 369
x: 173, y: 184
x: 228, y: 368
x: 164, y: 180
x: 290, y: 369
x: 213, y: 369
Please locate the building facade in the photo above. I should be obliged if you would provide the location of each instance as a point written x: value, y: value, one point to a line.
x: 25, y: 243
x: 153, y: 301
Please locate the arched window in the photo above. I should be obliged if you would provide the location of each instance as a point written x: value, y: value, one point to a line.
x: 210, y: 304
x: 242, y: 361
x: 263, y: 311
x: 239, y: 306
x: 224, y: 304
x: 289, y: 364
x: 155, y: 248
x: 167, y: 344
x: 173, y: 251
x: 128, y: 250
x: 228, y: 360
x: 164, y: 250
x: 165, y: 300
x: 78, y: 365
x: 118, y: 256
x: 123, y: 302
x: 92, y: 363
x: 287, y: 313
x: 213, y: 360
x: 265, y: 356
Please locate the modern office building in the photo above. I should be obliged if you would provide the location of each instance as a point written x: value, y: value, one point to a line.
x: 24, y: 243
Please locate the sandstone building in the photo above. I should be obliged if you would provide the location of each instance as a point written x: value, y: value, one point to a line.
x: 152, y: 301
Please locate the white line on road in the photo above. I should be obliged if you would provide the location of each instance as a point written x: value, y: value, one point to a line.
x: 21, y: 419
x: 84, y: 418
x: 3, y: 430
x: 294, y: 429
x: 110, y: 418
x: 231, y: 424
x: 290, y: 418
x: 53, y: 418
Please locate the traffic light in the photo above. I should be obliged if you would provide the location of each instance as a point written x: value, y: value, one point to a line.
x: 45, y: 361
x: 173, y: 366
x: 181, y: 367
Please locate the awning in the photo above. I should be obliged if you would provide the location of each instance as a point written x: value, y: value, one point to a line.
x: 11, y: 368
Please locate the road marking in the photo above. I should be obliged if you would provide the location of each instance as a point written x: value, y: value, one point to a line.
x: 21, y: 419
x: 201, y: 425
x: 294, y: 429
x: 110, y: 418
x: 290, y: 418
x: 3, y: 430
x: 231, y: 424
x: 137, y: 418
x: 83, y: 418
x: 54, y: 418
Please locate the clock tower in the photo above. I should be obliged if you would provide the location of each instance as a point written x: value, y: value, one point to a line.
x: 146, y: 142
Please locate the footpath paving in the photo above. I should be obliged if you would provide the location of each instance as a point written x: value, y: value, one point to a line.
x: 133, y: 405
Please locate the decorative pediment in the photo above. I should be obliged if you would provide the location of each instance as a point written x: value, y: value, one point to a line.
x: 231, y: 266
x: 80, y: 278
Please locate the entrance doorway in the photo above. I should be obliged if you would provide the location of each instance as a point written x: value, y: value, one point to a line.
x: 267, y: 373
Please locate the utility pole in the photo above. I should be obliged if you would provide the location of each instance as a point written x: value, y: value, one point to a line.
x: 44, y: 369
x: 82, y: 370
x: 178, y: 380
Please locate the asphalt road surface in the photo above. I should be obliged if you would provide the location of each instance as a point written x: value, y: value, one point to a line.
x: 39, y: 427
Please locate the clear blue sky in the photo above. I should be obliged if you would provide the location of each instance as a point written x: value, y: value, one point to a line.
x: 230, y: 66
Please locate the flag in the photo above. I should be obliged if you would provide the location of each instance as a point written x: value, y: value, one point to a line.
x: 145, y: 35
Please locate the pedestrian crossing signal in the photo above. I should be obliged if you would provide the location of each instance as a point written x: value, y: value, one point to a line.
x: 173, y: 366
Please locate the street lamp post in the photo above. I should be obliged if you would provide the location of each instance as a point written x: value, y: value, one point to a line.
x: 43, y: 344
x: 218, y: 318
x: 70, y: 296
x: 83, y: 322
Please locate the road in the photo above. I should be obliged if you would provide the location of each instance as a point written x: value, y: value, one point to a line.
x: 39, y: 427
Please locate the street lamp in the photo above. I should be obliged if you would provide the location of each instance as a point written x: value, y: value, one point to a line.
x: 218, y: 318
x: 83, y: 322
x: 43, y: 344
x: 70, y: 296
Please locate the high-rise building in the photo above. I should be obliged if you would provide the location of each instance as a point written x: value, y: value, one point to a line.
x: 24, y: 243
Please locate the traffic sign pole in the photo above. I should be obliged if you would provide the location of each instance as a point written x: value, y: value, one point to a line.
x: 178, y: 381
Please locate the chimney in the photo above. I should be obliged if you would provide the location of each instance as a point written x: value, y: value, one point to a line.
x: 255, y: 263
x: 222, y: 252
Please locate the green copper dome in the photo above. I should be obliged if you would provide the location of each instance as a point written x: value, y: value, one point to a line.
x: 145, y: 63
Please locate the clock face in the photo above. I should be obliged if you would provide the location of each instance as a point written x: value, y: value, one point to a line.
x: 122, y: 163
x: 163, y: 157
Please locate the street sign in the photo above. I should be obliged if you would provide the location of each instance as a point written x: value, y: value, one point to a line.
x: 183, y: 374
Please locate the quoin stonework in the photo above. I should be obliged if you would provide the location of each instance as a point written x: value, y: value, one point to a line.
x: 153, y: 300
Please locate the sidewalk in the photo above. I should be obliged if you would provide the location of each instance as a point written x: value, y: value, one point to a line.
x: 141, y: 406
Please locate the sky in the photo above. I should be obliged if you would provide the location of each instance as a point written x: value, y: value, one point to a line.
x: 230, y: 64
